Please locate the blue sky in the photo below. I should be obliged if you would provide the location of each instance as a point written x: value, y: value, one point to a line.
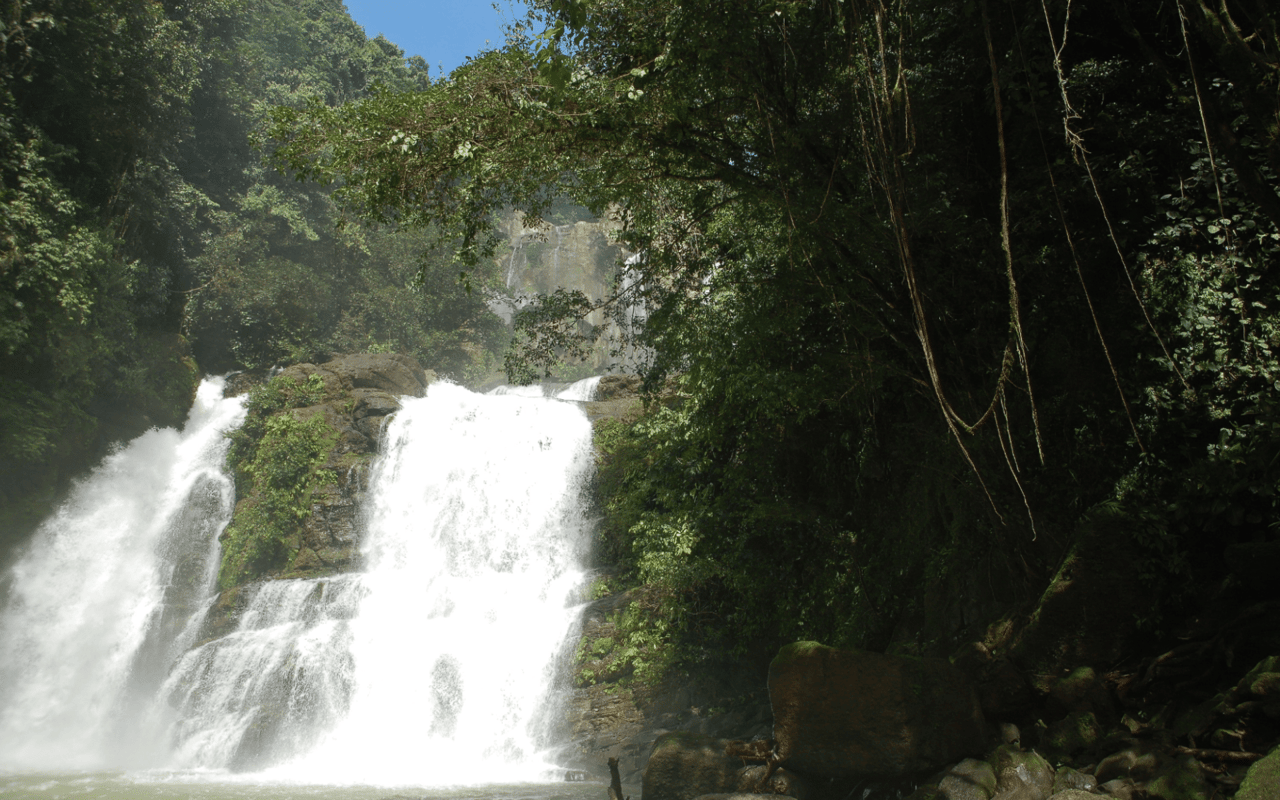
x: 444, y: 32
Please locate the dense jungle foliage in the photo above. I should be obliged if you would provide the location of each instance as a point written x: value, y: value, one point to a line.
x: 139, y: 227
x: 937, y: 284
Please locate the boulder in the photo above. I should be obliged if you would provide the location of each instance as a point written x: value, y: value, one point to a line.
x: 1021, y: 775
x: 396, y: 373
x: 1081, y: 691
x: 685, y: 765
x: 1078, y: 731
x: 1182, y: 779
x: 849, y: 713
x: 1262, y: 781
x: 969, y: 780
x: 1068, y: 778
x: 782, y: 781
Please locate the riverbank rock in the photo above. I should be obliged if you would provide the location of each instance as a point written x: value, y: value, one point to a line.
x: 685, y: 765
x: 1262, y: 781
x: 849, y: 713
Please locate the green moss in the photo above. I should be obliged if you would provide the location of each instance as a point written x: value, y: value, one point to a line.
x: 1261, y: 780
x: 797, y: 650
x: 277, y: 474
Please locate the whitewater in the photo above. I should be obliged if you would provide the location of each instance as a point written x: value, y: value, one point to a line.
x: 440, y: 664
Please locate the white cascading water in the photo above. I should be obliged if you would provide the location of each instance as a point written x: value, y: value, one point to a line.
x: 475, y: 543
x: 434, y: 666
x: 102, y: 599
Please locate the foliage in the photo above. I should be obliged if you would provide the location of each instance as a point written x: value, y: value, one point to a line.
x: 276, y: 457
x: 916, y: 332
x: 133, y: 206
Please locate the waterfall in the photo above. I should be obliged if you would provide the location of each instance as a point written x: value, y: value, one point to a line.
x: 435, y: 665
x: 102, y: 598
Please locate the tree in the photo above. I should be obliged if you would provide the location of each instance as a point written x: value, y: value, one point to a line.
x: 864, y: 238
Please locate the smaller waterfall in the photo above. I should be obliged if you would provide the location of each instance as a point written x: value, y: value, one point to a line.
x: 103, y: 598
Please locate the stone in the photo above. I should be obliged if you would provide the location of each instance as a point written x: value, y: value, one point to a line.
x: 1073, y: 794
x: 1245, y: 685
x: 783, y: 781
x: 396, y: 373
x: 1021, y: 776
x: 1068, y: 778
x: 1180, y: 779
x: 1262, y: 781
x: 849, y: 713
x: 686, y: 765
x: 1137, y: 762
x: 971, y: 779
x: 1078, y: 731
x: 1119, y: 788
x: 1266, y: 685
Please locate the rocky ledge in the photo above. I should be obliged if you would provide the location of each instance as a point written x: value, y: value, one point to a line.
x: 301, y: 462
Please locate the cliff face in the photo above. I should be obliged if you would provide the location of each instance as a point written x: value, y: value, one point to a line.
x: 584, y: 256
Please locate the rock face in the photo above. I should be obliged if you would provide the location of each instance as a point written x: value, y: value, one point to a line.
x: 328, y: 419
x: 848, y: 713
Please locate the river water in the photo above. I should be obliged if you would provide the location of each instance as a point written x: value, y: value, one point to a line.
x: 436, y: 671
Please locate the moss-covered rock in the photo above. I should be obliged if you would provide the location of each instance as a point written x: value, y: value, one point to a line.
x: 1262, y: 781
x: 301, y: 461
x: 1076, y: 732
x: 1021, y: 775
x: 686, y: 765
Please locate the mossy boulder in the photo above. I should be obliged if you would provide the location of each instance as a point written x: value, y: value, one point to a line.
x: 686, y: 765
x: 1078, y: 731
x: 1262, y: 781
x: 1021, y: 775
x: 301, y: 462
x: 852, y: 714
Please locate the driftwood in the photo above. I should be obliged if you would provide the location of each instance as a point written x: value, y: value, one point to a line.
x: 615, y: 781
x: 1232, y: 756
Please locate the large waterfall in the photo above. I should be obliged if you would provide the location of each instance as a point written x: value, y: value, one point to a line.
x: 434, y: 665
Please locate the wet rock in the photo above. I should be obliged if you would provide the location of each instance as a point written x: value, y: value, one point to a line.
x: 1021, y: 776
x: 390, y: 372
x: 1180, y: 779
x: 969, y: 780
x: 1119, y: 788
x: 1266, y: 685
x: 684, y: 765
x: 1068, y: 778
x: 1081, y: 691
x: 1262, y: 781
x: 1073, y: 794
x: 783, y: 781
x: 1078, y: 731
x: 849, y: 713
